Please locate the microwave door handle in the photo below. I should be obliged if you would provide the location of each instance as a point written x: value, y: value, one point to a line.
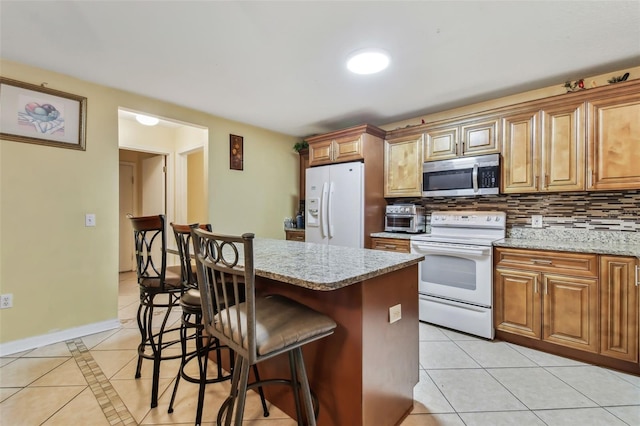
x: 474, y: 177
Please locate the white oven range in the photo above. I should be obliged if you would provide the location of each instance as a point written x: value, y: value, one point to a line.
x: 456, y: 277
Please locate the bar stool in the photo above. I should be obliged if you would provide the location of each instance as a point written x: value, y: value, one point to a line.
x: 258, y: 328
x: 156, y: 282
x: 192, y: 320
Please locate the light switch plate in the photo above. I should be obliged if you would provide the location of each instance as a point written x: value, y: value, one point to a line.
x: 395, y: 313
x: 90, y: 219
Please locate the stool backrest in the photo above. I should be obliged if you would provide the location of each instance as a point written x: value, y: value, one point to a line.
x: 226, y: 274
x: 183, y: 241
x: 150, y: 244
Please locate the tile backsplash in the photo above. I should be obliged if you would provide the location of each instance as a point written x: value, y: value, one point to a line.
x: 614, y: 211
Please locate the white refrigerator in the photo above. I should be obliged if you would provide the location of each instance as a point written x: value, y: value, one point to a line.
x: 335, y: 205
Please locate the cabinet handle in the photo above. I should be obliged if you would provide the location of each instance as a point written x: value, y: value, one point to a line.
x: 545, y: 182
x: 535, y: 181
x: 543, y: 262
x: 637, y: 275
x: 462, y: 143
x: 545, y: 287
x: 535, y: 285
x: 390, y: 246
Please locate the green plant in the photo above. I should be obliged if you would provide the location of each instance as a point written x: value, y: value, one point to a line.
x: 299, y: 146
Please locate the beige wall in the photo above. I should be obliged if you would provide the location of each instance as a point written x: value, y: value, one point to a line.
x: 591, y: 81
x: 63, y: 275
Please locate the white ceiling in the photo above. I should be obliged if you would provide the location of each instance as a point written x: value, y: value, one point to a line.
x: 280, y: 65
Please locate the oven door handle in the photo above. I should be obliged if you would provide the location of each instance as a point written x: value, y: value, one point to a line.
x: 422, y: 249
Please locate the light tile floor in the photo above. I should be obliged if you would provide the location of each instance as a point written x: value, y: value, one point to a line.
x: 463, y: 381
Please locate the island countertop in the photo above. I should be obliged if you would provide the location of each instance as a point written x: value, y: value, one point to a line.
x: 324, y: 267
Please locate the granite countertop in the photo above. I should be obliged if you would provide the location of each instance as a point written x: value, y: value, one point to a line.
x: 396, y: 235
x: 292, y: 228
x: 324, y: 267
x: 618, y: 243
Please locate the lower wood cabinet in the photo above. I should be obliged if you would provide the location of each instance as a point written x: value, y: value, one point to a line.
x: 585, y: 302
x: 619, y: 307
x: 294, y: 234
x: 537, y: 296
x: 391, y: 244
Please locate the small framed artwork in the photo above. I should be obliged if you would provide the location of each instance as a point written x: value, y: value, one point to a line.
x: 235, y: 152
x: 36, y: 114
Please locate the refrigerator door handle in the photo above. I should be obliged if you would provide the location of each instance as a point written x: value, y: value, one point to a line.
x: 323, y: 210
x: 330, y: 210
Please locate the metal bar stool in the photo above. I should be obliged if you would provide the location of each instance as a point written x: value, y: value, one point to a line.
x: 192, y: 320
x: 156, y: 282
x: 258, y: 328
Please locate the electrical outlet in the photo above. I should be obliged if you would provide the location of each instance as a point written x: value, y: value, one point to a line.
x: 395, y: 313
x: 6, y: 301
x: 90, y: 219
x: 536, y: 221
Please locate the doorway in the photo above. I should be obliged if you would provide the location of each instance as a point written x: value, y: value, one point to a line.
x: 163, y: 160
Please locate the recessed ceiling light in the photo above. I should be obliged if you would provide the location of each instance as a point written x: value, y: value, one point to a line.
x: 368, y: 61
x: 146, y: 120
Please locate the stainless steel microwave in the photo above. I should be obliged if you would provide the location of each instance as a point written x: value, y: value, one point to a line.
x: 462, y: 176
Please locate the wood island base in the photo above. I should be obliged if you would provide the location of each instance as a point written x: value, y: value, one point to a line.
x: 364, y: 373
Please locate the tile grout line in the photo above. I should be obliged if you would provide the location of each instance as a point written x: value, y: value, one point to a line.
x: 110, y: 402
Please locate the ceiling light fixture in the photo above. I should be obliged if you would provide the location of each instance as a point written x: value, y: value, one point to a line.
x: 368, y: 61
x: 146, y: 120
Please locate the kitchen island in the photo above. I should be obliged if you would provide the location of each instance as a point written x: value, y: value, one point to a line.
x: 364, y: 373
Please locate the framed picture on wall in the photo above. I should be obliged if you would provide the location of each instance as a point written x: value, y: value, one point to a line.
x: 235, y: 152
x: 39, y: 115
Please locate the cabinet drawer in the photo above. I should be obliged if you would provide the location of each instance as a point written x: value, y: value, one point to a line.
x: 297, y: 235
x: 576, y: 264
x: 391, y: 244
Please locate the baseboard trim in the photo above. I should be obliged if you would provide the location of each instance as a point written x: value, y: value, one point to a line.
x: 56, y: 337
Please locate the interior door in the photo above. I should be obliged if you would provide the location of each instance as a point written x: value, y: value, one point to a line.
x: 154, y: 192
x: 153, y: 186
x: 127, y: 261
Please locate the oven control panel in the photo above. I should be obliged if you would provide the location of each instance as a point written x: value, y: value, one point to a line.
x: 489, y: 219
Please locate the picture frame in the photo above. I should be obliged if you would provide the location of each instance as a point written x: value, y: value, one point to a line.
x: 39, y: 115
x: 236, y: 152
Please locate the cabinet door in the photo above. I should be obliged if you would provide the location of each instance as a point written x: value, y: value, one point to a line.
x: 517, y: 302
x: 520, y: 153
x: 563, y: 148
x: 441, y: 143
x: 320, y: 153
x: 614, y: 138
x: 348, y: 148
x: 618, y: 308
x: 403, y: 167
x: 570, y: 307
x: 480, y: 138
x: 391, y: 244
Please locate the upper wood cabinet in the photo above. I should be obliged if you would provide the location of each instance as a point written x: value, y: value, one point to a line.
x: 403, y: 166
x: 475, y: 136
x: 543, y: 149
x: 342, y: 146
x: 614, y: 141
